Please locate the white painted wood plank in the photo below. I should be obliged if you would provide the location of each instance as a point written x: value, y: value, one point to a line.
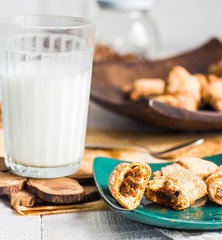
x: 106, y: 225
x: 97, y: 225
x: 16, y: 227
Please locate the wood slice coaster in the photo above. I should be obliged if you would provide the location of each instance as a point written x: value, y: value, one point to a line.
x: 85, y: 181
x: 84, y: 170
x: 85, y: 174
x: 10, y: 183
x: 60, y: 190
x: 38, y: 200
x: 91, y: 194
x: 22, y: 198
x: 3, y: 167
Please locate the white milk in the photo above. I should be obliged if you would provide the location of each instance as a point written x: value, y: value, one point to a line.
x: 45, y: 112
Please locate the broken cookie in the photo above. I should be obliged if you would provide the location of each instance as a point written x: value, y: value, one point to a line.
x: 202, y: 168
x: 144, y: 87
x: 214, y: 186
x: 212, y: 94
x: 127, y: 183
x: 169, y: 99
x: 177, y: 189
x: 185, y: 87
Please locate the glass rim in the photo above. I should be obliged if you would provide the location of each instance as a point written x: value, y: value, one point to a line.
x: 86, y: 23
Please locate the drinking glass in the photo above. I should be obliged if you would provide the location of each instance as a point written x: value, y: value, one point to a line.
x: 45, y: 72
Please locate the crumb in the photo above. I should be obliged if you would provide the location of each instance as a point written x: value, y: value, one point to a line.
x: 164, y: 210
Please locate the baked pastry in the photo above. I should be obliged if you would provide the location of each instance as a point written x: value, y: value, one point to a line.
x: 212, y: 94
x: 214, y: 186
x: 213, y: 78
x: 168, y: 170
x: 169, y: 99
x: 185, y: 87
x: 202, y: 79
x: 182, y: 89
x: 202, y: 168
x: 144, y: 87
x: 178, y: 189
x: 127, y: 183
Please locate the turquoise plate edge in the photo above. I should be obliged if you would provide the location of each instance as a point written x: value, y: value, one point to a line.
x: 207, y: 217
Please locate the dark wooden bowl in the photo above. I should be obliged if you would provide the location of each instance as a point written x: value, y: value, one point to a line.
x: 108, y: 78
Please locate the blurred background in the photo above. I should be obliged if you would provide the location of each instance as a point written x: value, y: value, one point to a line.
x: 182, y: 25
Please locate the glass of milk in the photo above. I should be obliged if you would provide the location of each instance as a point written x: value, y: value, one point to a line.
x: 45, y: 72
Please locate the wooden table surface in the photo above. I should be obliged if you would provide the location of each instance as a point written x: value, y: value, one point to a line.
x: 85, y: 225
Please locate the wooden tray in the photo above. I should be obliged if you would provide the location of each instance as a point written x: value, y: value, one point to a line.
x: 108, y: 78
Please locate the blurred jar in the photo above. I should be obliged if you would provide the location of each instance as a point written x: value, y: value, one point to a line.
x: 125, y: 27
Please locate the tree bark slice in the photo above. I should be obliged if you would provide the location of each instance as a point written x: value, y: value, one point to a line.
x: 22, y: 198
x: 85, y: 181
x: 3, y: 167
x: 10, y: 183
x: 91, y: 193
x: 85, y: 174
x: 60, y: 190
x: 85, y: 171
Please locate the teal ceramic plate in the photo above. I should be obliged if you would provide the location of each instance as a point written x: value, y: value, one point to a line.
x: 207, y: 217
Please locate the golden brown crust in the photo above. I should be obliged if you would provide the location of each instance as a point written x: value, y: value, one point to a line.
x: 157, y: 174
x: 182, y: 89
x: 187, y: 102
x: 202, y: 79
x: 144, y: 87
x: 127, y: 183
x: 213, y: 95
x: 168, y: 170
x: 169, y: 99
x: 166, y: 192
x: 213, y: 78
x: 214, y: 186
x: 202, y: 168
x: 185, y: 87
x: 216, y: 175
x: 190, y: 183
x: 177, y: 189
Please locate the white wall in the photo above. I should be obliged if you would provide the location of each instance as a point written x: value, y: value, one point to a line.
x: 15, y: 7
x: 187, y: 23
x: 182, y: 24
x: 78, y: 8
